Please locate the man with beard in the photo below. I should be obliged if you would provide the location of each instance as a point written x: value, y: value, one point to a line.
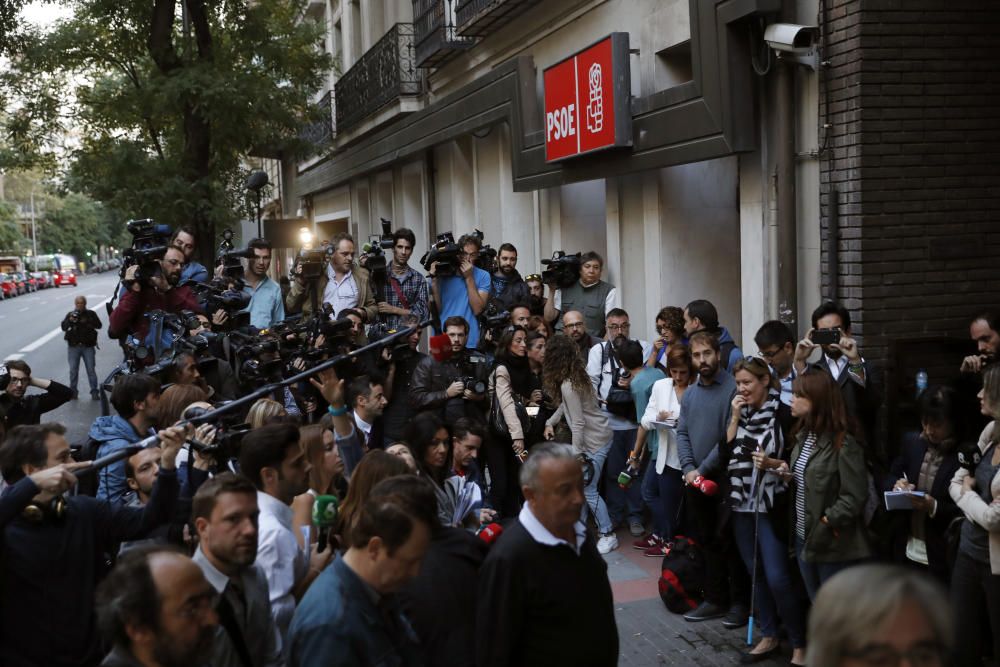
x: 185, y: 240
x: 23, y: 410
x: 985, y: 330
x: 438, y: 386
x: 161, y: 293
x: 705, y: 411
x: 156, y: 607
x: 225, y: 515
x: 272, y: 459
x: 506, y: 286
x: 405, y: 291
x: 575, y: 327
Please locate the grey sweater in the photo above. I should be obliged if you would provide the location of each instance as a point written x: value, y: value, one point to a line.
x: 704, y: 414
x: 587, y: 421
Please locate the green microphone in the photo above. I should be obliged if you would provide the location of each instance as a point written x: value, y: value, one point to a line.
x: 324, y: 517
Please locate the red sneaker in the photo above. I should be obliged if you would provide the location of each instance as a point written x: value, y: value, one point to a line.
x: 647, y: 542
x: 658, y: 551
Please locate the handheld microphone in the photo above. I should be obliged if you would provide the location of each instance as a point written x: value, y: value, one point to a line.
x: 490, y: 532
x: 324, y: 517
x: 440, y: 347
x: 706, y: 486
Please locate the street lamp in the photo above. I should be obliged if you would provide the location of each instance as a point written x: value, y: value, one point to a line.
x: 256, y: 182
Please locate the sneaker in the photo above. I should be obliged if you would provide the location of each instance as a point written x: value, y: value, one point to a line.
x: 607, y: 543
x: 95, y: 395
x: 636, y: 528
x: 75, y: 395
x: 706, y: 611
x: 659, y: 551
x: 648, y: 542
x: 736, y: 618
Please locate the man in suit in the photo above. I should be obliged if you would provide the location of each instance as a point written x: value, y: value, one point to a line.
x: 367, y: 399
x: 342, y: 285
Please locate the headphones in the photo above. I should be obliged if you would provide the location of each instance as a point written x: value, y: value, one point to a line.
x: 36, y: 512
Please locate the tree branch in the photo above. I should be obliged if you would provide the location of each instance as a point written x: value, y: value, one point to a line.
x: 161, y: 44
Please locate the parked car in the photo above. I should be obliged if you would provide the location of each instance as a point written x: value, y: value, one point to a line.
x: 8, y: 285
x: 65, y: 277
x: 22, y: 286
x: 42, y: 279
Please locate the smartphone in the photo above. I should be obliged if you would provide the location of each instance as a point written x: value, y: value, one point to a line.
x: 825, y: 336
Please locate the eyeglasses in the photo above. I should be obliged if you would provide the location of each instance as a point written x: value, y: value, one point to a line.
x: 662, y: 328
x: 619, y: 327
x: 924, y: 654
x: 24, y: 381
x: 769, y: 355
x: 573, y: 325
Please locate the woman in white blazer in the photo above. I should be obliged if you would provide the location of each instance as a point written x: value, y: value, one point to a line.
x: 663, y: 483
x: 975, y: 581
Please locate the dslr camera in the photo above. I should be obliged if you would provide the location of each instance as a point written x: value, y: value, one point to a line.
x: 562, y: 270
x: 446, y: 253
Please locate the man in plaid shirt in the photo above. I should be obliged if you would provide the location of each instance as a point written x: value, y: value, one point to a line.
x: 405, y: 290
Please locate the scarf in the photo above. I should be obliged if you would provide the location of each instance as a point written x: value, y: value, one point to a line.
x: 757, y: 429
x: 522, y: 380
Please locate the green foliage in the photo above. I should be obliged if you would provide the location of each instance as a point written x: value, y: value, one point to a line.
x: 162, y: 121
x: 10, y: 234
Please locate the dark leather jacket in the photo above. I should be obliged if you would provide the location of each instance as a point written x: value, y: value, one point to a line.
x: 430, y: 382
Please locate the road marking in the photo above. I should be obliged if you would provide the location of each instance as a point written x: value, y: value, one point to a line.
x: 52, y: 334
x: 13, y: 357
x: 94, y: 296
x: 23, y: 309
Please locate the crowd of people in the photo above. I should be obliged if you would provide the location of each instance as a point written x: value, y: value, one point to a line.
x: 353, y: 518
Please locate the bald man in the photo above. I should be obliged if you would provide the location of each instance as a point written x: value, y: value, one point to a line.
x: 81, y: 326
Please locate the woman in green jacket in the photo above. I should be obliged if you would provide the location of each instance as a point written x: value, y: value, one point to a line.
x: 830, y: 483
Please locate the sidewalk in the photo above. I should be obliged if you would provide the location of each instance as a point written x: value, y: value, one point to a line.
x: 651, y: 636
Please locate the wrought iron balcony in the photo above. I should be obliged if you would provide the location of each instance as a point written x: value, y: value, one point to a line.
x: 482, y: 17
x: 434, y: 32
x: 319, y: 132
x: 385, y: 73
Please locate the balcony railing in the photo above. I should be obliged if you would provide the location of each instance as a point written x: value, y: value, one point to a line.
x: 434, y: 32
x: 482, y: 17
x: 386, y: 72
x: 322, y: 130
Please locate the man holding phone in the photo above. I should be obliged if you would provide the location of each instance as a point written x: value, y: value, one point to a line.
x: 841, y: 358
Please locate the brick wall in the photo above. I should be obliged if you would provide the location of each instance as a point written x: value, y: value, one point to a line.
x: 913, y: 95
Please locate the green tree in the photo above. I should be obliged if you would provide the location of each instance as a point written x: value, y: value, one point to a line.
x: 11, y: 240
x: 169, y: 98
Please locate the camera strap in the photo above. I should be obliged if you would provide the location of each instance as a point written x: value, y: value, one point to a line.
x: 399, y: 291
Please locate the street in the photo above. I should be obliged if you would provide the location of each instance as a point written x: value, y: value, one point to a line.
x: 31, y: 322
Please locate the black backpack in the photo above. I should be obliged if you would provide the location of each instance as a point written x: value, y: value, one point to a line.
x: 86, y: 485
x: 682, y: 576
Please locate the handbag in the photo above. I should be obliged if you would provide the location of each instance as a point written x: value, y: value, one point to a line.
x: 497, y: 422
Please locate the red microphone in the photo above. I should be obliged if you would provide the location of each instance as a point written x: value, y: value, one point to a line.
x: 490, y: 532
x: 440, y: 347
x: 706, y: 486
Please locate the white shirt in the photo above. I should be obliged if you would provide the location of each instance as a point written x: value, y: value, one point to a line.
x: 340, y: 295
x: 838, y: 366
x: 363, y: 426
x: 600, y: 377
x: 542, y: 535
x: 279, y: 555
x: 663, y: 397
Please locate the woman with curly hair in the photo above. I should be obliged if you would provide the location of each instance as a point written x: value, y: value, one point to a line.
x: 565, y: 379
x: 669, y: 332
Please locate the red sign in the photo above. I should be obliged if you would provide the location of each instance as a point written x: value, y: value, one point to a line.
x: 586, y: 100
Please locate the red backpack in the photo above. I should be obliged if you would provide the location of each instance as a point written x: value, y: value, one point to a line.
x: 682, y: 576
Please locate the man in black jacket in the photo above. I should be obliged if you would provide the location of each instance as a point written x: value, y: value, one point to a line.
x: 21, y: 409
x: 51, y: 546
x: 506, y: 285
x: 438, y: 383
x: 81, y: 325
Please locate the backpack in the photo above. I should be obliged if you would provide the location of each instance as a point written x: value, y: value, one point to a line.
x: 86, y: 485
x: 682, y: 576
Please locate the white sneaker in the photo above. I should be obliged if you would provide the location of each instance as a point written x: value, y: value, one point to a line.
x: 607, y: 543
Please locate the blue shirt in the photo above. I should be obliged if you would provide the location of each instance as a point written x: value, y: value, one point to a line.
x: 266, y: 305
x: 455, y: 300
x: 194, y: 271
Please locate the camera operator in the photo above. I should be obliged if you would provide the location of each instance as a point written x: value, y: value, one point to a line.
x: 162, y: 293
x: 464, y: 295
x: 399, y: 383
x: 405, y: 290
x: 81, y: 325
x: 51, y: 546
x: 590, y: 295
x: 184, y: 239
x: 21, y: 409
x: 440, y: 385
x: 134, y: 397
x: 214, y: 368
x: 342, y: 284
x: 266, y: 303
x: 506, y: 285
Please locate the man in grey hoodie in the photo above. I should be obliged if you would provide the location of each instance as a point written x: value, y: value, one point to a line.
x: 134, y: 397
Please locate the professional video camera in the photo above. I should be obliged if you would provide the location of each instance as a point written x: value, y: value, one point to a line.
x: 229, y: 432
x: 401, y: 350
x: 374, y: 255
x: 149, y: 244
x: 475, y: 369
x: 229, y: 258
x: 487, y: 260
x: 494, y: 320
x: 446, y: 253
x: 217, y: 294
x: 563, y: 269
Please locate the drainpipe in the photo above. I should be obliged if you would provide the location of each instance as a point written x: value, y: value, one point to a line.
x: 784, y: 126
x: 832, y: 244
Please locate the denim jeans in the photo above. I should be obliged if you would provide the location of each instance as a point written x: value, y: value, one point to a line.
x: 774, y: 593
x: 77, y: 352
x: 622, y: 503
x: 662, y: 494
x: 594, y: 501
x: 815, y: 575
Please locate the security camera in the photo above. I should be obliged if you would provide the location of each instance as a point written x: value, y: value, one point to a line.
x: 790, y: 37
x: 793, y: 42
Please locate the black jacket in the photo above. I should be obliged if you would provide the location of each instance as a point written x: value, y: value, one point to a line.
x: 910, y: 458
x: 29, y: 410
x: 862, y: 404
x: 81, y: 329
x: 514, y: 290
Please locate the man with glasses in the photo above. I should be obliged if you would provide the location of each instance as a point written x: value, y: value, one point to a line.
x: 405, y: 291
x: 576, y: 329
x: 21, y: 409
x: 266, y: 305
x: 161, y: 293
x: 607, y: 374
x: 464, y: 295
x: 343, y: 285
x: 777, y: 347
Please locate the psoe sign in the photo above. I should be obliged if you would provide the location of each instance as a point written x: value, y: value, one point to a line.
x: 587, y: 100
